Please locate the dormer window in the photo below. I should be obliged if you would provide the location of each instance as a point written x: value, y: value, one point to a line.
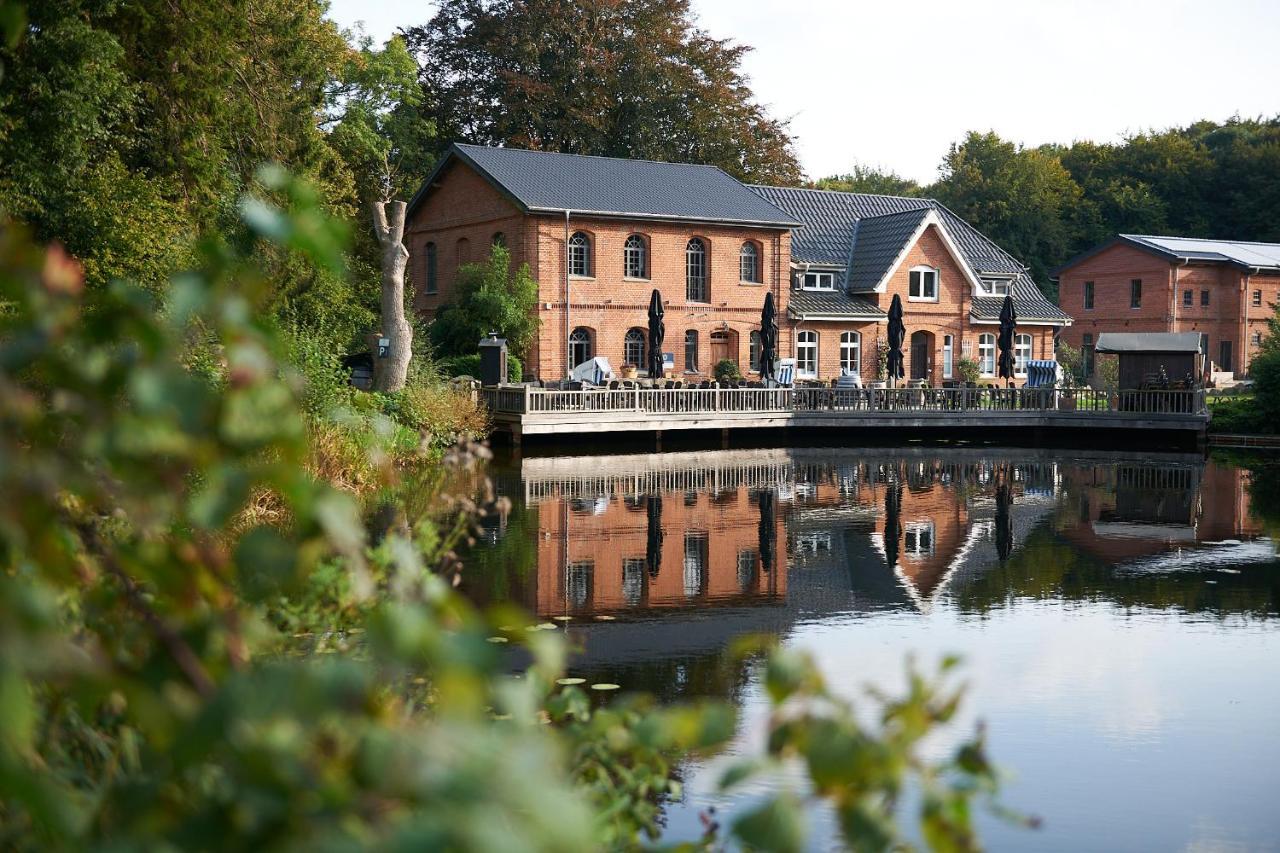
x: 818, y: 281
x: 1000, y: 287
x: 923, y: 285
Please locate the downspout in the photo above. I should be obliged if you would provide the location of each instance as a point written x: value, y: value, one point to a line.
x: 568, y: 344
x: 1247, y: 296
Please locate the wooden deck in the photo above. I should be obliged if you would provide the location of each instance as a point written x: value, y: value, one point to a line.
x: 529, y: 411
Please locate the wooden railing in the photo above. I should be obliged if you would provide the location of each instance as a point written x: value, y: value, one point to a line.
x: 529, y: 400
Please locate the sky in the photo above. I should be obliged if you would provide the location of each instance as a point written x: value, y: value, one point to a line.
x: 892, y: 84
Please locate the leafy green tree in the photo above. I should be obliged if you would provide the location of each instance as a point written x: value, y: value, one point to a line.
x: 488, y: 298
x: 1023, y: 199
x: 619, y: 78
x: 867, y: 179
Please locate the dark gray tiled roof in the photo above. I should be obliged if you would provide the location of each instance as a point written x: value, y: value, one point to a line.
x: 877, y: 242
x: 828, y: 233
x: 831, y: 303
x: 1030, y: 303
x: 548, y: 182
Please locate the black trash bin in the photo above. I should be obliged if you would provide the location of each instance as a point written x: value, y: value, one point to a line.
x: 493, y: 360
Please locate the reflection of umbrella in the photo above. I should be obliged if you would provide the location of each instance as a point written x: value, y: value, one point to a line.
x: 768, y: 530
x: 897, y: 336
x: 653, y: 541
x: 892, y: 520
x: 1004, y: 524
x: 1008, y: 319
x: 768, y: 338
x: 657, y: 331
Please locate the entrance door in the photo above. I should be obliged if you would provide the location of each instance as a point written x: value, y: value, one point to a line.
x: 721, y: 349
x: 920, y: 355
x: 1224, y: 363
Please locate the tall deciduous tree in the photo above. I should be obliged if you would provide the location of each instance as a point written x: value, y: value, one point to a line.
x: 489, y: 297
x: 621, y: 78
x: 869, y: 179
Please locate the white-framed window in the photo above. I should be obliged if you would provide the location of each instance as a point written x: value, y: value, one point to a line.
x: 695, y: 563
x: 1021, y: 354
x: 755, y: 345
x: 922, y: 284
x: 987, y: 355
x: 749, y: 262
x: 851, y: 353
x: 579, y: 346
x: 1000, y: 287
x: 632, y: 580
x: 807, y: 354
x: 580, y: 254
x: 578, y: 582
x: 948, y: 355
x: 635, y: 261
x: 633, y: 348
x: 695, y: 270
x: 917, y: 539
x: 818, y: 281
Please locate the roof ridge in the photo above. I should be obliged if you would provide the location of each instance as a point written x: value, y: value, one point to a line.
x: 845, y: 192
x: 1199, y: 239
x: 591, y: 156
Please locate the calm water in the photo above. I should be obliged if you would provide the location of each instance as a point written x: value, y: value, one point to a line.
x: 1117, y: 614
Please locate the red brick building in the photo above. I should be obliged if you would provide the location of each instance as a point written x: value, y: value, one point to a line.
x: 1224, y: 290
x: 600, y: 234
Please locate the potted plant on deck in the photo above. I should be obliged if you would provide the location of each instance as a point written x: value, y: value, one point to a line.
x: 629, y: 371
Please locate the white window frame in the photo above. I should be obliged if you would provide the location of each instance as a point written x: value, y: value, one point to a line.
x: 697, y: 279
x: 912, y: 530
x: 635, y: 254
x: 634, y: 337
x: 851, y: 342
x: 825, y: 281
x: 948, y: 355
x: 924, y: 297
x: 995, y: 286
x: 1023, y: 347
x: 986, y: 355
x: 749, y: 253
x: 806, y: 341
x: 579, y: 254
x: 755, y: 349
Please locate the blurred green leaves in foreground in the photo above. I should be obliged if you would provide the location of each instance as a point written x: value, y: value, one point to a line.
x: 174, y: 675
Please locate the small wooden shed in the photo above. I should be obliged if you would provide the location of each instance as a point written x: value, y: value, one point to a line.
x: 1149, y: 359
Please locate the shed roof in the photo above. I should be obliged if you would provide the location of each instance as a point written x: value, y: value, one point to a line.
x: 1148, y: 342
x: 550, y: 182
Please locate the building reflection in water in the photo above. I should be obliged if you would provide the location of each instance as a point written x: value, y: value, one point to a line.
x: 856, y: 530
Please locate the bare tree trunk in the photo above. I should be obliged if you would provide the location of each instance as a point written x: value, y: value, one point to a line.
x: 390, y: 372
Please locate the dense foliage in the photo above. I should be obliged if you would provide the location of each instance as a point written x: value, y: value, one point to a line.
x: 1044, y: 205
x: 619, y: 78
x: 488, y: 297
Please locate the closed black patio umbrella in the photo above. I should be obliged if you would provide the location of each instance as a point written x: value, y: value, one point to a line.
x: 657, y: 331
x: 1008, y: 322
x: 1004, y: 522
x: 653, y: 539
x: 897, y: 336
x: 768, y: 339
x: 768, y: 532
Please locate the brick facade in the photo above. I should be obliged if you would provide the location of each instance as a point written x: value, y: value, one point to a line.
x: 464, y: 212
x: 1221, y: 301
x: 929, y: 323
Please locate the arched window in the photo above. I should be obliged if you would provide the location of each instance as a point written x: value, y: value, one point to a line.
x: 579, y: 346
x: 1021, y: 354
x: 691, y: 351
x: 463, y: 250
x: 695, y: 270
x: 987, y: 355
x: 851, y: 353
x: 499, y: 239
x: 432, y: 285
x: 807, y: 354
x: 635, y: 261
x: 633, y: 348
x: 749, y: 262
x: 755, y: 346
x: 580, y: 254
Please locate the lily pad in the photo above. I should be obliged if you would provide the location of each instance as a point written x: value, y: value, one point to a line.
x: 569, y: 681
x: 604, y: 686
x: 497, y: 639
